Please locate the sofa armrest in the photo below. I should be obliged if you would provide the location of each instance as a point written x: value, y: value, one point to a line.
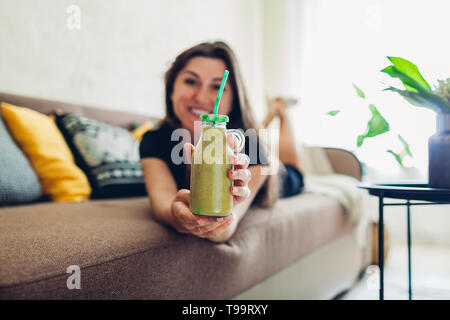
x: 344, y: 162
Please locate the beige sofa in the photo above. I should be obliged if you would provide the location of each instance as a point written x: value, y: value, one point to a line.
x: 303, y: 248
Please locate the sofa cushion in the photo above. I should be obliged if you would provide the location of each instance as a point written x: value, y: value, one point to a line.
x: 109, y: 155
x: 51, y: 158
x: 19, y: 183
x: 123, y: 253
x: 140, y: 129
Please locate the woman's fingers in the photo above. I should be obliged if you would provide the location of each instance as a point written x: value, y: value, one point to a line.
x: 188, y: 151
x: 240, y: 160
x: 181, y: 211
x: 183, y: 215
x: 243, y: 175
x: 219, y: 229
x: 183, y: 195
x: 233, y: 143
x: 241, y: 192
x: 187, y: 222
x: 210, y: 224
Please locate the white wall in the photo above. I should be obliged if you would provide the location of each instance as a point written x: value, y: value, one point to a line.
x: 282, y: 31
x: 117, y: 59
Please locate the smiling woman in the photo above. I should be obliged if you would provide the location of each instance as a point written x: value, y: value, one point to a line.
x: 192, y: 85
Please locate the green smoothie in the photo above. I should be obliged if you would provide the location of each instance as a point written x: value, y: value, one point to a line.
x: 210, y: 184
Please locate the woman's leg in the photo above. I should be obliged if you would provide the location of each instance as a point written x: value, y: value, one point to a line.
x: 287, y: 151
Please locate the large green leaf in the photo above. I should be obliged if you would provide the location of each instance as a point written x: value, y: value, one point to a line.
x: 410, y: 84
x: 377, y: 125
x: 427, y: 100
x: 409, y: 69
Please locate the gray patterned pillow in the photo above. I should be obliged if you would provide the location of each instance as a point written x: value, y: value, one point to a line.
x: 109, y: 155
x: 18, y: 181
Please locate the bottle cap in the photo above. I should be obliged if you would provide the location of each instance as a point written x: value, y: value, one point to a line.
x: 214, y: 117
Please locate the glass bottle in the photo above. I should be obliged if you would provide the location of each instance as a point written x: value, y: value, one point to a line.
x: 210, y: 184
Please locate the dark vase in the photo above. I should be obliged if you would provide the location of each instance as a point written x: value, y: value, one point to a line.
x: 439, y: 153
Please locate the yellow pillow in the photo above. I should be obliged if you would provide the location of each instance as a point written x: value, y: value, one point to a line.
x: 139, y: 132
x: 42, y: 142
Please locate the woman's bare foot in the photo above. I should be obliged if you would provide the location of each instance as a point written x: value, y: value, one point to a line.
x: 276, y: 108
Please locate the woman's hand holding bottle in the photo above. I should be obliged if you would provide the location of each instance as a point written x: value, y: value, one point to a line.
x: 217, y: 229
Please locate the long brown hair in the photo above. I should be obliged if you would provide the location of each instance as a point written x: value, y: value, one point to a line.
x: 241, y: 116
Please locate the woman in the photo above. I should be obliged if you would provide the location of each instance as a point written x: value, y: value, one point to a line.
x: 192, y: 83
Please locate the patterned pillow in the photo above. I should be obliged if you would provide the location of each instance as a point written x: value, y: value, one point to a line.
x: 109, y: 155
x: 18, y: 181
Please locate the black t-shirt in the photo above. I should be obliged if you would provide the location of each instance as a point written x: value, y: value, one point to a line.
x: 158, y: 144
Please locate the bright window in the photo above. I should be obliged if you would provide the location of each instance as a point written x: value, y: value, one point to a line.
x: 345, y: 42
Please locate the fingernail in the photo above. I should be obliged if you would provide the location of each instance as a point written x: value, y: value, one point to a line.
x: 233, y: 173
x: 220, y: 219
x: 200, y: 221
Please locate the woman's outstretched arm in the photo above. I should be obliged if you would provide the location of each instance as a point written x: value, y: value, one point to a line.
x: 161, y: 188
x: 171, y: 206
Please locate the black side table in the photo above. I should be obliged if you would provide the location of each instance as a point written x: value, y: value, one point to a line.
x: 406, y: 192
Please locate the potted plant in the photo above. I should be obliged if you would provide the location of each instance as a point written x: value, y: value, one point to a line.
x: 419, y: 93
